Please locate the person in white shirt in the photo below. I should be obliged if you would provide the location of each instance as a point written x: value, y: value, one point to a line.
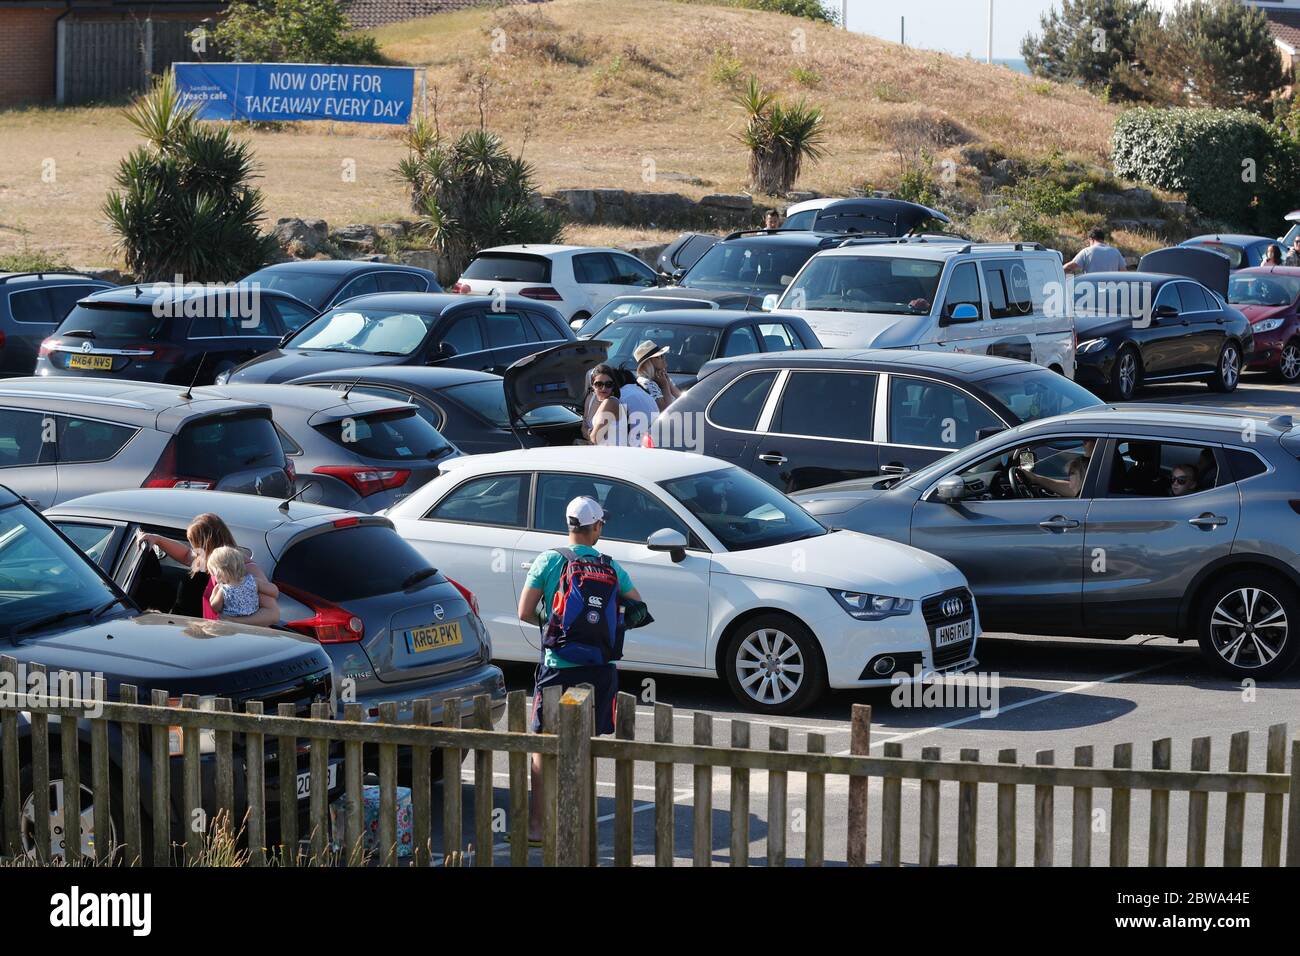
x: 652, y: 374
x: 623, y: 412
x: 1096, y: 256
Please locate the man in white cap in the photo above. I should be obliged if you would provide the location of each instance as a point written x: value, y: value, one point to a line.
x: 580, y: 592
x: 652, y: 374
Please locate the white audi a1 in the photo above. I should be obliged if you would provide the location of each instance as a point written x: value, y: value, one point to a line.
x: 741, y: 581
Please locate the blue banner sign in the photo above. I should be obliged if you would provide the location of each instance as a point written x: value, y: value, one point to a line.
x: 280, y: 92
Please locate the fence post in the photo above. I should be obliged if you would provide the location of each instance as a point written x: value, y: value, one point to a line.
x: 624, y: 780
x: 483, y: 787
x: 550, y: 725
x: 1158, y: 837
x: 1081, y: 849
x: 1044, y: 814
x: 859, y: 746
x: 452, y: 824
x: 160, y: 738
x: 10, y: 795
x: 41, y: 776
x: 225, y: 788
x: 664, y: 806
x: 196, y: 822
x: 928, y: 822
x: 388, y: 790
x: 703, y: 826
x: 967, y: 814
x: 318, y: 798
x: 1271, y: 840
x: 1198, y: 805
x: 740, y: 798
x: 891, y: 813
x: 353, y: 773
x: 255, y: 774
x: 101, y: 807
x: 130, y: 780
x: 517, y: 723
x: 1121, y: 801
x: 421, y: 792
x: 287, y: 775
x: 1234, y: 818
x: 1293, y: 811
x: 574, y: 769
x: 814, y: 852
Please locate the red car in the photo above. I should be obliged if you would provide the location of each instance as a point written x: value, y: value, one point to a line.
x: 1269, y: 297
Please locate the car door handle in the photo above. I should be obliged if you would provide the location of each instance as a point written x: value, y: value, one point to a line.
x: 773, y: 459
x: 1208, y: 520
x: 1058, y: 523
x: 895, y: 469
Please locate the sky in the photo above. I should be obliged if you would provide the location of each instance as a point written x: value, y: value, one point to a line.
x: 954, y: 26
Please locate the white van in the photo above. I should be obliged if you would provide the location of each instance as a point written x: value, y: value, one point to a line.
x: 1003, y: 299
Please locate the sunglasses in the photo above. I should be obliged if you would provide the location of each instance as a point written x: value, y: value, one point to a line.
x: 1182, y: 481
x: 604, y: 383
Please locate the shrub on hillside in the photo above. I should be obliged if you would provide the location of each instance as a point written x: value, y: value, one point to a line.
x: 808, y: 9
x: 779, y: 137
x: 1232, y: 165
x: 184, y: 204
x: 292, y: 31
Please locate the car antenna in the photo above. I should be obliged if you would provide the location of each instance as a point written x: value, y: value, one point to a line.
x: 188, y: 394
x: 348, y: 391
x: 284, y: 505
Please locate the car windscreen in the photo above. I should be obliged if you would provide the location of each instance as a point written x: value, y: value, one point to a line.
x: 1263, y: 289
x: 1039, y: 393
x: 621, y: 308
x: 351, y: 563
x: 743, y: 511
x: 41, y: 576
x: 105, y: 321
x: 880, y: 284
x: 689, y: 346
x: 1236, y: 255
x: 397, y: 435
x: 371, y: 331
x: 314, y: 288
x: 223, y: 445
x: 488, y: 400
x: 508, y: 267
x: 764, y: 267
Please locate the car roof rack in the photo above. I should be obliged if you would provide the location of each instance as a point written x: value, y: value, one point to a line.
x: 49, y: 272
x: 1013, y: 246
x: 756, y: 232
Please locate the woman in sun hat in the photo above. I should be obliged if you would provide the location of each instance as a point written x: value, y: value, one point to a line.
x: 652, y: 374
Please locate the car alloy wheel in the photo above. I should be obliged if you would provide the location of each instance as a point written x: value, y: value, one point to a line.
x: 1229, y: 370
x: 58, y: 842
x: 1249, y: 628
x: 1127, y: 374
x: 1288, y: 365
x: 769, y: 666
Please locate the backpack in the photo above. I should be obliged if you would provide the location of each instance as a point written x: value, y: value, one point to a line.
x: 585, y: 624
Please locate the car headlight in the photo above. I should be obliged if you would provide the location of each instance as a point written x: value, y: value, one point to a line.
x: 1094, y: 345
x: 176, y: 735
x: 1269, y: 325
x: 871, y: 607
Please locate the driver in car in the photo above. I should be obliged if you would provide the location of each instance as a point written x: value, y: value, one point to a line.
x: 1071, y: 486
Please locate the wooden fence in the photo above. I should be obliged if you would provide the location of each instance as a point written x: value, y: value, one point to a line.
x: 569, y: 760
x: 108, y: 59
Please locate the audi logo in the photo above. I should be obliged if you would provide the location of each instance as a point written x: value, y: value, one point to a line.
x: 953, y: 606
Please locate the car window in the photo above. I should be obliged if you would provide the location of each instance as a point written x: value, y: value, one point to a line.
x: 1153, y: 469
x: 1046, y: 468
x: 114, y: 323
x: 763, y: 266
x: 778, y: 337
x: 742, y: 511
x: 397, y: 435
x: 819, y: 404
x: 1194, y: 298
x: 505, y: 329
x: 1271, y: 289
x: 350, y: 563
x: 26, y: 438
x: 1038, y: 393
x: 426, y: 410
x: 500, y: 500
x: 630, y: 270
x: 741, y: 402
x: 509, y: 267
x: 401, y: 282
x: 963, y: 289
x: 740, y: 341
x: 213, y: 448
x: 361, y: 285
x: 211, y: 327
x: 464, y: 335
x: 292, y: 315
x: 546, y: 327
x: 84, y: 440
x: 92, y: 539
x: 689, y: 346
x: 934, y: 415
x: 260, y: 322
x: 630, y: 513
x: 800, y: 220
x: 1168, y: 295
x: 369, y: 331
x: 887, y: 285
x: 1009, y: 289
x: 488, y: 400
x: 595, y: 267
x: 311, y: 287
x: 46, y: 305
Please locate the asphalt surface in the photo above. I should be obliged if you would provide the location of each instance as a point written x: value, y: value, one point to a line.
x: 1052, y: 694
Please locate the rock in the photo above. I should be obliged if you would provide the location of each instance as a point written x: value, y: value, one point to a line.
x: 1128, y: 225
x: 1155, y: 225
x: 801, y: 195
x: 1108, y: 200
x: 391, y: 230
x: 646, y: 252
x: 1004, y: 171
x: 428, y: 259
x: 1138, y: 196
x: 357, y: 238
x: 739, y: 202
x: 974, y: 155
x: 318, y: 226
x: 297, y: 238
x: 682, y: 178
x: 1176, y: 208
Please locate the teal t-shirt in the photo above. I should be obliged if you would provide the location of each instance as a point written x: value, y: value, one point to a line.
x: 545, y: 573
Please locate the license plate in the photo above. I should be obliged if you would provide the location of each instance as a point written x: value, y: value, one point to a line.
x: 434, y: 636
x: 954, y: 633
x: 101, y: 363
x: 304, y: 781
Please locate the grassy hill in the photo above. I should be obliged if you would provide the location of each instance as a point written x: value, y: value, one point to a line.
x: 598, y: 93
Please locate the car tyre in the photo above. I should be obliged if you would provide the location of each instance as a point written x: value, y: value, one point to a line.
x: 1288, y: 364
x: 1126, y: 376
x: 774, y: 665
x: 1227, y: 372
x: 26, y: 823
x: 1248, y: 624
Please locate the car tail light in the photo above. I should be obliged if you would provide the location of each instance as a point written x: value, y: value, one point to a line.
x: 467, y: 594
x: 290, y: 470
x: 1295, y: 506
x: 330, y: 623
x: 164, y: 473
x: 647, y: 441
x: 2, y: 340
x: 460, y: 288
x: 544, y: 292
x: 366, y: 481
x: 346, y: 522
x: 46, y: 347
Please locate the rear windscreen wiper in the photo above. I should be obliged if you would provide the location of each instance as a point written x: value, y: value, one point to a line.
x: 417, y: 577
x: 80, y: 333
x: 437, y: 453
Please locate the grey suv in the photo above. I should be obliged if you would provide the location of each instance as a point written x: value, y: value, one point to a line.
x: 32, y: 304
x: 1110, y: 522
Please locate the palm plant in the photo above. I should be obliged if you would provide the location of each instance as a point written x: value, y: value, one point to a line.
x: 183, y: 203
x: 779, y: 137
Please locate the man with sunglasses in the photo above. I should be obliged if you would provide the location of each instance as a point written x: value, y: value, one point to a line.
x: 1184, y: 481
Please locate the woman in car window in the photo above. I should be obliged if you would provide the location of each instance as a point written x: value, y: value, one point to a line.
x: 205, y: 534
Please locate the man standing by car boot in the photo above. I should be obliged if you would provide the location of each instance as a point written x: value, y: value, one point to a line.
x: 583, y: 592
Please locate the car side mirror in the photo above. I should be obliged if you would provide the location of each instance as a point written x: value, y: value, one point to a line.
x: 1164, y: 312
x: 441, y: 351
x: 989, y: 431
x: 950, y: 491
x: 769, y: 302
x: 678, y: 275
x: 670, y: 540
x: 962, y: 313
x: 576, y: 324
x: 284, y: 339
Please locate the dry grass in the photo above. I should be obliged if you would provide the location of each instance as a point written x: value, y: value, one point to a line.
x: 591, y: 89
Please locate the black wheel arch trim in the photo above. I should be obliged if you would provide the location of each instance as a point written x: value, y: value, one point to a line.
x: 1224, y: 565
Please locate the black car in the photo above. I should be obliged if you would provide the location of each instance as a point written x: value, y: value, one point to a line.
x: 658, y: 300
x: 469, y: 408
x: 1140, y: 327
x: 683, y: 252
x: 58, y: 609
x: 32, y: 304
x: 481, y: 333
x: 174, y: 334
x: 804, y: 419
x: 891, y: 218
x: 324, y: 283
x: 696, y: 336
x: 756, y: 263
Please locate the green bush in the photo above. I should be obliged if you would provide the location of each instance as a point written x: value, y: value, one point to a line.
x: 184, y: 204
x: 292, y: 31
x: 1231, y: 164
x: 808, y: 9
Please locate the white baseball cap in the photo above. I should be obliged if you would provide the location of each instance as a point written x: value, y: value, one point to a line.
x: 583, y: 512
